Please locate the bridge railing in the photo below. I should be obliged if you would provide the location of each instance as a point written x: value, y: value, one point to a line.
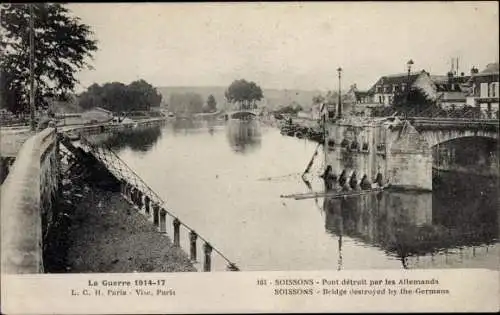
x: 449, y: 119
x: 27, y: 197
x: 136, y: 191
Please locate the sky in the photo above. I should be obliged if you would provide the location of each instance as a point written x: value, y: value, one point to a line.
x: 284, y: 45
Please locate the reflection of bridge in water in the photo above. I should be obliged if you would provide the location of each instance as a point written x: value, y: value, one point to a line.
x: 461, y: 218
x: 243, y: 135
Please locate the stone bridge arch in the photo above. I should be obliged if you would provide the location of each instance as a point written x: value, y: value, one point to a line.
x: 436, y: 137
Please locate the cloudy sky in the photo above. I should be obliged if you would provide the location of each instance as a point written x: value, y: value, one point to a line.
x: 285, y: 45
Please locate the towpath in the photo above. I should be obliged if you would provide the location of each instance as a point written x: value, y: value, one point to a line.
x: 108, y: 235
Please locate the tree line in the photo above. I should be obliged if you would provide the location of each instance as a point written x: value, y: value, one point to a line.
x: 118, y: 97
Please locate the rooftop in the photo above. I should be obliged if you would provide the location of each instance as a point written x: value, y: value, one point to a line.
x: 492, y: 68
x: 396, y: 79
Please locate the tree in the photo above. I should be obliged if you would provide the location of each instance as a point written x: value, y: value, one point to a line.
x: 186, y: 103
x: 413, y: 102
x: 211, y: 104
x: 63, y: 46
x: 118, y: 97
x: 91, y: 98
x: 245, y: 93
x: 143, y: 95
x: 318, y: 99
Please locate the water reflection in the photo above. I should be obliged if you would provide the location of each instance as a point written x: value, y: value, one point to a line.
x: 410, y: 224
x: 137, y: 139
x: 243, y: 135
x: 188, y: 125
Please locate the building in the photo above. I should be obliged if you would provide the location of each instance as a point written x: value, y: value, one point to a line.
x: 451, y: 90
x: 383, y: 91
x: 485, y: 90
x: 357, y: 102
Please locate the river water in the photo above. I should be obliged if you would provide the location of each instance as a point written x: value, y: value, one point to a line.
x: 225, y: 181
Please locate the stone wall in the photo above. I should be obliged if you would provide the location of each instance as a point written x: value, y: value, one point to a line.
x: 27, y: 203
x: 357, y: 149
x: 409, y: 159
x: 402, y: 157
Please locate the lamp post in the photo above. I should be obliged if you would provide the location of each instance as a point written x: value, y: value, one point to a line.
x: 339, y: 110
x: 408, y: 64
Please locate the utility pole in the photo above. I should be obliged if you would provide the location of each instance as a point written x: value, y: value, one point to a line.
x: 339, y: 111
x: 32, y: 61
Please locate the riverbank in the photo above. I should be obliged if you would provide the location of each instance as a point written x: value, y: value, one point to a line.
x: 106, y: 234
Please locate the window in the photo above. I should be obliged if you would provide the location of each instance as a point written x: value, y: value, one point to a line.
x: 380, y: 99
x: 484, y: 90
x: 403, y: 86
x: 379, y: 89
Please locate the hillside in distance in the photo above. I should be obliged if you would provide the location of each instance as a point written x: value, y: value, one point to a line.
x: 273, y: 98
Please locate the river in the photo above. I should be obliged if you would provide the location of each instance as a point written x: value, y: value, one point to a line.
x: 225, y: 180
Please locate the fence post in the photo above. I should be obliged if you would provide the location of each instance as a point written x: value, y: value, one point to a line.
x: 163, y: 221
x: 207, y: 264
x: 147, y: 204
x: 177, y: 225
x: 156, y: 210
x: 192, y: 240
x: 232, y: 267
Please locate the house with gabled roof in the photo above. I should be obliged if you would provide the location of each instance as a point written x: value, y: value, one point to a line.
x: 357, y: 102
x: 387, y: 86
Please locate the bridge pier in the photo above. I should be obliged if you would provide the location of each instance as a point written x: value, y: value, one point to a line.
x: 380, y: 154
